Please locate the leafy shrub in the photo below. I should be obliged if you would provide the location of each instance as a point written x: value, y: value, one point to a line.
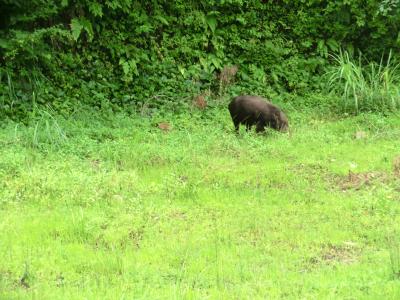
x: 122, y: 53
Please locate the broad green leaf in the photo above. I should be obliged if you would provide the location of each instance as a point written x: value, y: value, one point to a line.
x: 76, y: 28
x: 182, y: 70
x: 241, y: 20
x: 87, y: 26
x: 216, y: 62
x: 332, y: 44
x: 125, y: 66
x: 162, y: 20
x: 133, y: 67
x: 77, y: 25
x: 129, y: 67
x: 212, y: 22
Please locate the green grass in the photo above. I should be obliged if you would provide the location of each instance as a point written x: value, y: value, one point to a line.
x: 366, y: 87
x: 92, y: 208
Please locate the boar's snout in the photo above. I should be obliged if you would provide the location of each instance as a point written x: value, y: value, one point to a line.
x: 283, y: 123
x: 284, y: 127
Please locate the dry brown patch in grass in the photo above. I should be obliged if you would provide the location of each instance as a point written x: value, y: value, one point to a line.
x: 396, y: 166
x: 358, y: 180
x: 364, y: 179
x: 164, y: 126
x: 95, y: 164
x: 311, y: 172
x: 353, y: 180
x: 346, y: 253
x: 228, y: 74
x: 136, y: 237
x: 177, y: 214
x: 226, y: 77
x: 200, y: 102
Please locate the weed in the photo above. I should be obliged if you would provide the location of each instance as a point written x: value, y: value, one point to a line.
x: 374, y: 87
x: 46, y: 130
x: 394, y: 251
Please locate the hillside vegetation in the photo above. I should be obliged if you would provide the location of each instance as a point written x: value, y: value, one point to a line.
x: 122, y: 177
x: 127, y: 54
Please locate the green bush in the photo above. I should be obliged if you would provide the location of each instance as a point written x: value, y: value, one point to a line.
x: 127, y: 53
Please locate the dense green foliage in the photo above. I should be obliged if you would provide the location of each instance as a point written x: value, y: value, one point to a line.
x: 116, y: 53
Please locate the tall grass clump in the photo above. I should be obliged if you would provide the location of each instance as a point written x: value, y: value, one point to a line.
x: 44, y: 130
x: 370, y: 87
x: 394, y: 251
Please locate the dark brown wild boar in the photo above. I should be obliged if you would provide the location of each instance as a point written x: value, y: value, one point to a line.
x: 250, y: 110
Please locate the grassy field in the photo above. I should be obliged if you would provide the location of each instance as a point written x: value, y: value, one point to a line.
x: 96, y: 208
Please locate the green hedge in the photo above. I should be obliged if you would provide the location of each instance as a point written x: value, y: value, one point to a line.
x: 116, y: 53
